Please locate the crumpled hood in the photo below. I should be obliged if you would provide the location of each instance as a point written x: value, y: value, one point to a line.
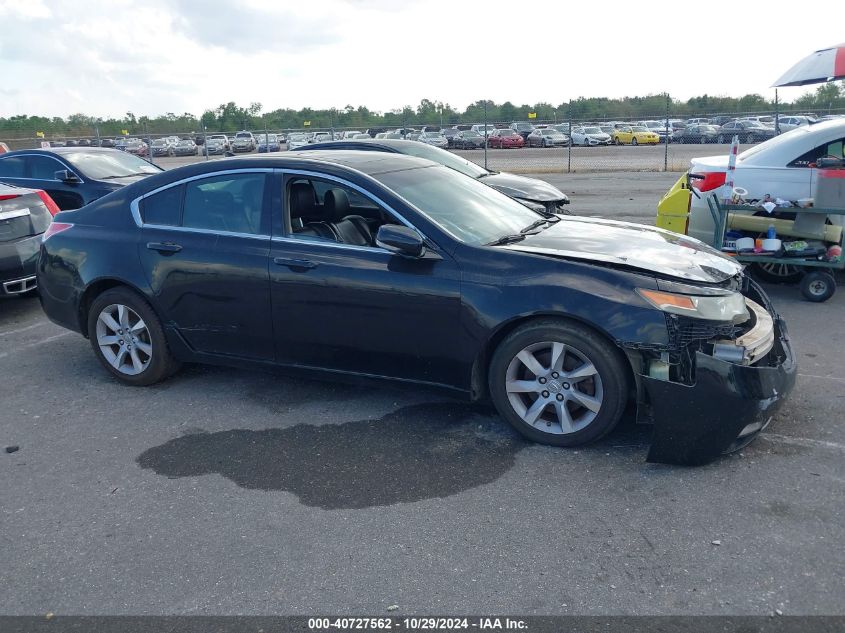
x: 525, y: 188
x: 633, y: 245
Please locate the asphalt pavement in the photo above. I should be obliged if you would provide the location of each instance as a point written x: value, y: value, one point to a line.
x: 230, y: 491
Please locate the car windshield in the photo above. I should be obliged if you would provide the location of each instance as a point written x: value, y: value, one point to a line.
x: 466, y: 209
x: 523, y: 126
x: 754, y: 124
x: 296, y: 137
x: 421, y: 150
x: 470, y: 134
x: 270, y: 138
x: 550, y: 132
x: 639, y: 128
x: 159, y: 142
x: 591, y: 130
x: 185, y: 143
x: 109, y: 164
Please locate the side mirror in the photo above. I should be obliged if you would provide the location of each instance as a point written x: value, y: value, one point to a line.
x: 65, y: 176
x: 400, y: 240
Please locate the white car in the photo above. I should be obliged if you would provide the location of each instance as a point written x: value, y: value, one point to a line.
x: 350, y: 133
x: 482, y: 129
x: 787, y: 123
x: 434, y: 138
x: 589, y: 136
x: 297, y: 139
x: 783, y: 166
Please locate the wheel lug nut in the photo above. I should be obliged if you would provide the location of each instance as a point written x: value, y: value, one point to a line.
x: 560, y: 397
x: 555, y: 374
x: 545, y: 394
x: 542, y: 381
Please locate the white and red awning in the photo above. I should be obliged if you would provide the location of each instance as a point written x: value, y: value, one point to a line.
x: 826, y: 64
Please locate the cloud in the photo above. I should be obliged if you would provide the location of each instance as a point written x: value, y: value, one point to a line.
x: 246, y: 27
x: 104, y: 57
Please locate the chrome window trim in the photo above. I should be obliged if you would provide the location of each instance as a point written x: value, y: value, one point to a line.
x: 135, y: 208
x: 331, y: 244
x: 67, y: 167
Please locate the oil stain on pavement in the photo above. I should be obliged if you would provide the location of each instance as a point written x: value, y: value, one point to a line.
x: 414, y: 453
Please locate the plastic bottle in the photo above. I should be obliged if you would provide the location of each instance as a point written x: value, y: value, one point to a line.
x: 771, y: 234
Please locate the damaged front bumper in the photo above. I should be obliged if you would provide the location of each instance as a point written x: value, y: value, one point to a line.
x: 726, y: 394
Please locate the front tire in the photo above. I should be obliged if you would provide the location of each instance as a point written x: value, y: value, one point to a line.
x: 128, y: 339
x: 634, y: 141
x: 721, y: 140
x: 558, y: 383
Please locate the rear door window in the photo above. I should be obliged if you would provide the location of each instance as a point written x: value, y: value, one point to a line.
x: 12, y: 167
x: 163, y: 208
x: 834, y: 148
x: 230, y: 203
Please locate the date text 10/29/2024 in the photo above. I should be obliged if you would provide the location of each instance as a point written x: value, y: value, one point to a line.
x: 416, y: 624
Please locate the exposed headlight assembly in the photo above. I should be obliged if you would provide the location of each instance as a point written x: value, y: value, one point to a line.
x: 728, y: 307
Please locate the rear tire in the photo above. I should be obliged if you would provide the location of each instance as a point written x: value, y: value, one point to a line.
x: 777, y: 273
x: 558, y: 383
x: 128, y: 339
x: 721, y: 140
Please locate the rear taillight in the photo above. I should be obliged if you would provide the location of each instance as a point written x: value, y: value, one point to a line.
x: 10, y: 196
x: 54, y: 228
x: 52, y: 207
x: 709, y: 180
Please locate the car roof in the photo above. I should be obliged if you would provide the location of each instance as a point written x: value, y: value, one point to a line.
x: 368, y: 162
x: 60, y: 151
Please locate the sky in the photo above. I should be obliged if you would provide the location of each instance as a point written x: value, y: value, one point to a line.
x: 104, y: 58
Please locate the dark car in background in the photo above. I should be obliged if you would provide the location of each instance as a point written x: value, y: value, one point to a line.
x: 186, y: 147
x: 748, y: 132
x: 25, y: 214
x: 532, y: 192
x: 450, y: 133
x: 467, y: 140
x: 162, y: 147
x: 106, y: 142
x: 137, y: 147
x: 268, y: 143
x: 523, y: 128
x: 73, y: 176
x: 697, y: 133
x: 376, y: 265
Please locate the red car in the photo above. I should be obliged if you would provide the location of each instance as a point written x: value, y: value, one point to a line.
x: 4, y: 148
x: 503, y: 139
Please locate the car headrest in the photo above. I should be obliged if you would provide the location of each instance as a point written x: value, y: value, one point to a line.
x: 337, y: 204
x: 303, y: 199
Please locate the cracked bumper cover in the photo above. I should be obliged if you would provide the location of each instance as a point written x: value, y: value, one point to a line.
x: 725, y: 409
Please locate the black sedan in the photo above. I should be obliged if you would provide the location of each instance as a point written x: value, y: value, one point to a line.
x: 538, y: 194
x: 73, y: 176
x: 375, y: 265
x: 747, y: 131
x: 702, y: 134
x: 24, y: 216
x: 467, y: 140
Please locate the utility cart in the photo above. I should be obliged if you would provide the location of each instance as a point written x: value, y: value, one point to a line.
x: 818, y: 283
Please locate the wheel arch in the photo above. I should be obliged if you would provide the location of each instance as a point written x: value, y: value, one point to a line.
x: 94, y: 290
x: 481, y: 364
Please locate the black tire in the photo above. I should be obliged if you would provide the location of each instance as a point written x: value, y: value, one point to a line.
x: 702, y: 140
x: 777, y: 273
x: 818, y: 286
x: 634, y: 140
x: 543, y: 143
x: 605, y: 358
x: 161, y: 364
x: 618, y: 141
x: 720, y: 140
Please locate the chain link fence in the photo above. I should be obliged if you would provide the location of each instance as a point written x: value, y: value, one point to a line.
x: 618, y: 153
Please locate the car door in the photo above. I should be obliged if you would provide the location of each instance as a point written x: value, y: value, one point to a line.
x: 358, y: 308
x: 38, y: 171
x: 204, y: 245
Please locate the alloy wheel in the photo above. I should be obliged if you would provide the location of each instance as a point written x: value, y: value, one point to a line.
x: 124, y: 339
x: 555, y: 388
